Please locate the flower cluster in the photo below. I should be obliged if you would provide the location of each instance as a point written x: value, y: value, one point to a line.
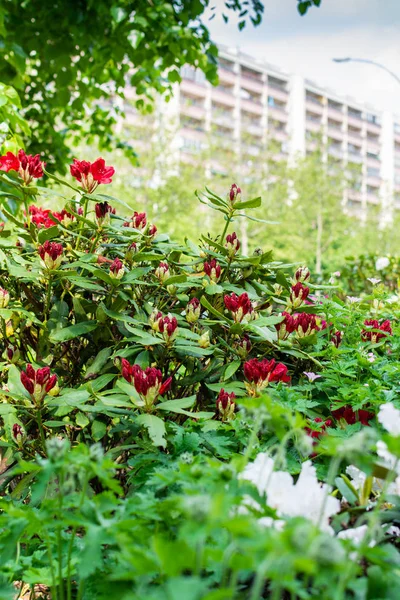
x: 226, y: 405
x: 38, y: 383
x: 298, y: 295
x: 41, y: 217
x: 91, y: 175
x: 167, y: 326
x: 193, y: 310
x: 64, y: 217
x: 51, y: 254
x: 213, y: 270
x: 234, y: 194
x: 232, y: 244
x: 162, y: 272
x: 4, y: 298
x: 117, y: 269
x: 147, y: 382
x: 240, y: 307
x: 376, y: 331
x: 304, y: 324
x: 28, y: 166
x: 259, y: 373
x: 351, y: 416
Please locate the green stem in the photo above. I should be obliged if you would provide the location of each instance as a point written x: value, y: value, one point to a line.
x: 71, y: 543
x: 228, y: 222
x: 59, y: 538
x: 82, y: 223
x: 41, y: 430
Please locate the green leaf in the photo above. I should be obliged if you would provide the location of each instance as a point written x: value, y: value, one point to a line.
x: 69, y: 333
x: 99, y: 362
x: 99, y: 430
x: 212, y: 310
x: 255, y: 203
x: 155, y: 427
x: 231, y: 369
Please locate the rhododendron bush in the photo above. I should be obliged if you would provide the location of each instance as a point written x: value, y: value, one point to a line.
x: 181, y: 420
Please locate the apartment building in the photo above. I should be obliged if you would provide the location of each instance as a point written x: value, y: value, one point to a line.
x: 256, y: 103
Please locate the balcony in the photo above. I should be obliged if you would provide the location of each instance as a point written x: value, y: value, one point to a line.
x: 277, y: 92
x: 314, y: 106
x: 355, y: 195
x: 223, y: 119
x: 277, y: 113
x: 373, y: 127
x: 277, y: 134
x: 335, y: 132
x: 191, y: 133
x: 196, y: 112
x: 252, y: 127
x: 373, y: 180
x: 373, y: 147
x: 355, y: 157
x: 226, y: 75
x: 250, y: 84
x: 251, y: 106
x: 335, y: 151
x: 353, y: 119
x: 335, y: 113
x: 192, y: 88
x: 373, y: 197
x: 223, y: 97
x: 373, y: 161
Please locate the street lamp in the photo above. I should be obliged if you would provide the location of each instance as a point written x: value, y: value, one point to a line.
x: 368, y: 62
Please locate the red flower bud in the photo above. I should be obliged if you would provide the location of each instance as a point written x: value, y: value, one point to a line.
x: 337, y: 338
x: 38, y: 383
x: 302, y: 275
x: 162, y: 272
x: 234, y: 194
x: 285, y: 327
x: 213, y: 270
x: 260, y: 373
x: 226, y: 405
x: 147, y: 382
x: 193, y: 310
x: 298, y: 295
x: 51, y: 254
x: 117, y: 269
x: 240, y: 306
x: 232, y: 244
x: 103, y: 211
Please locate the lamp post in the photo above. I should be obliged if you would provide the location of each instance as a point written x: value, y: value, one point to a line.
x: 368, y: 62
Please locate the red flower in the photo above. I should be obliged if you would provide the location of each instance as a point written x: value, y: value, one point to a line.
x: 213, y: 270
x: 240, y: 306
x: 147, y: 382
x: 41, y: 217
x: 28, y: 166
x: 64, y: 217
x: 38, y: 383
x: 51, y: 254
x: 9, y: 162
x: 90, y: 175
x: 226, y: 405
x: 260, y: 373
x: 351, y: 416
x: 384, y: 329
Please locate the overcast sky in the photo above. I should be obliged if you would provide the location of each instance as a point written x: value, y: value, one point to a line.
x: 358, y: 28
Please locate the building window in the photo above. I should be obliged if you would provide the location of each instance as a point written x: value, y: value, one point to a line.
x: 373, y: 172
x: 372, y: 119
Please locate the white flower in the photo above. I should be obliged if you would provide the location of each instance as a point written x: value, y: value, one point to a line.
x: 356, y: 535
x: 389, y: 417
x: 305, y: 498
x: 382, y: 263
x: 311, y: 376
x: 371, y: 357
x: 374, y: 280
x: 353, y: 299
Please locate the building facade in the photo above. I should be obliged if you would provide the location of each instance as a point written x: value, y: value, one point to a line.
x: 256, y: 102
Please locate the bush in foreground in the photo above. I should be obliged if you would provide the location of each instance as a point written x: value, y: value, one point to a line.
x: 183, y: 421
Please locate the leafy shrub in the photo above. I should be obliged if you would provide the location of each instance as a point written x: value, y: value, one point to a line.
x: 168, y: 410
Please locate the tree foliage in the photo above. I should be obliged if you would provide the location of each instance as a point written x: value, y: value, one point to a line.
x: 70, y: 60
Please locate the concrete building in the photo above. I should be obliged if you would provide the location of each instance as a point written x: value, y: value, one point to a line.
x: 256, y: 102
